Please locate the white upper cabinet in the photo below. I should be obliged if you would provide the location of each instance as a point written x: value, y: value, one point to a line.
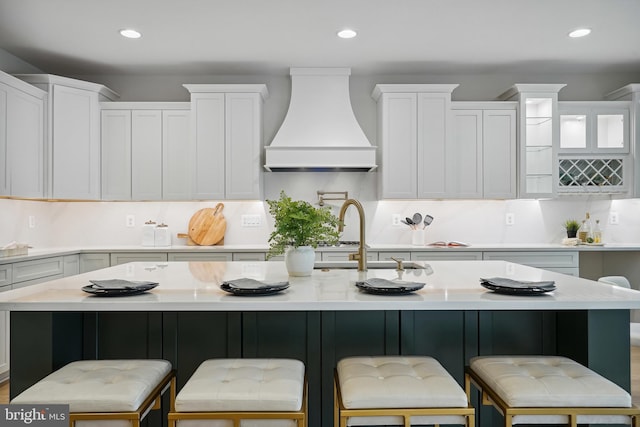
x: 116, y: 154
x: 594, y: 127
x: 631, y: 93
x: 22, y: 118
x: 226, y: 140
x: 484, y: 149
x: 73, y: 143
x: 539, y: 137
x: 176, y: 155
x: 594, y: 147
x: 414, y: 130
x: 145, y: 151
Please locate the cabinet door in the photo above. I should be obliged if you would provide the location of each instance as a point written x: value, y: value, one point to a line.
x: 243, y: 136
x: 25, y: 144
x: 76, y: 144
x: 5, y: 190
x: 433, y: 137
x: 176, y: 155
x: 91, y: 262
x: 208, y: 139
x: 115, y: 137
x: 499, y: 154
x: 71, y: 265
x: 146, y: 154
x: 397, y: 115
x: 464, y: 155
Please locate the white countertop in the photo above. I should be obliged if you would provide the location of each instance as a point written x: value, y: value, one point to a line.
x: 35, y: 253
x: 194, y: 286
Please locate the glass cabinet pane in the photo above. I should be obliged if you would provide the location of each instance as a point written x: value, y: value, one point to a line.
x: 610, y: 131
x: 573, y: 131
x: 539, y: 122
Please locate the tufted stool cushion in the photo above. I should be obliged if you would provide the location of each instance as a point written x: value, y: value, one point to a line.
x: 90, y: 386
x: 550, y: 382
x: 390, y: 382
x: 242, y: 386
x: 547, y: 381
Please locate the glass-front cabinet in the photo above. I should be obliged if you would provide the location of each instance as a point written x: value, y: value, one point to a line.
x: 594, y: 147
x: 539, y: 137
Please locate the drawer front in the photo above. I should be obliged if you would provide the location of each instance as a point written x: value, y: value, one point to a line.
x: 446, y: 256
x: 386, y: 256
x: 123, y: 258
x: 565, y: 270
x: 344, y: 256
x: 5, y: 275
x: 540, y: 259
x: 36, y: 269
x: 36, y: 281
x: 249, y: 256
x: 189, y: 256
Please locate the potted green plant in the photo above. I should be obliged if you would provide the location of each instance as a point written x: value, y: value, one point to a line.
x: 572, y: 226
x: 298, y: 229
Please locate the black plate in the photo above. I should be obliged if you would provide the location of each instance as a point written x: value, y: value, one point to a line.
x: 386, y: 287
x: 252, y: 287
x: 514, y: 287
x: 114, y: 288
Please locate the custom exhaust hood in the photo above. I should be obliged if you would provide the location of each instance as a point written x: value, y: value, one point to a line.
x: 320, y: 131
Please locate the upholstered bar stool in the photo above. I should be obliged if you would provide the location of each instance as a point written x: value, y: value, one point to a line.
x: 121, y: 392
x: 397, y: 390
x: 548, y: 390
x: 243, y: 392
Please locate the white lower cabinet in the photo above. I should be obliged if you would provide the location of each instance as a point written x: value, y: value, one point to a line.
x: 191, y: 256
x: 96, y: 261
x: 450, y: 255
x: 4, y: 345
x: 386, y: 256
x: 566, y: 262
x: 344, y: 256
x: 248, y: 256
x: 5, y: 285
x: 125, y: 257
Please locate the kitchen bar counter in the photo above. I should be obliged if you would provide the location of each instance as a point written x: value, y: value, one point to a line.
x: 319, y: 320
x: 194, y: 286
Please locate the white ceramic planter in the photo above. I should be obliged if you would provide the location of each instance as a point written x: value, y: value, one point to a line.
x: 300, y: 260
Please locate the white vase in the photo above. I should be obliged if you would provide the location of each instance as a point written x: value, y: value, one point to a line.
x: 300, y: 260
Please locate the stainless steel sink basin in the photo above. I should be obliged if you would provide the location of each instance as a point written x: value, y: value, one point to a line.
x: 371, y: 265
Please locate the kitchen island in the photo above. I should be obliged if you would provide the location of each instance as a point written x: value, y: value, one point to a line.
x: 318, y: 319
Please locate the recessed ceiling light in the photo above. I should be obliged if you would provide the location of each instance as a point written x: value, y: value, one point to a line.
x: 347, y: 34
x: 580, y: 32
x: 130, y: 33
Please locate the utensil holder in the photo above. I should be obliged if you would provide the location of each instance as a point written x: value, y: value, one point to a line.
x: 417, y: 237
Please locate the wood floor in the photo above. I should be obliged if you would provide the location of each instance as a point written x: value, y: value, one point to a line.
x: 635, y: 379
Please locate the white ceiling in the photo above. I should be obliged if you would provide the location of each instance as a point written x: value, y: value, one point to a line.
x: 268, y: 36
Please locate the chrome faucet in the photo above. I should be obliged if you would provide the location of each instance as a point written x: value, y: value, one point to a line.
x: 361, y: 255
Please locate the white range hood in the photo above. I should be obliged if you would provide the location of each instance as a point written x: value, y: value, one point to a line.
x: 320, y: 131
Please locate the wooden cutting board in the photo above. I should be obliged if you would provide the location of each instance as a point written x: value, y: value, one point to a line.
x: 207, y: 226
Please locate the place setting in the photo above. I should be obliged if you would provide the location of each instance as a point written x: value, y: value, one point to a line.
x: 118, y: 287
